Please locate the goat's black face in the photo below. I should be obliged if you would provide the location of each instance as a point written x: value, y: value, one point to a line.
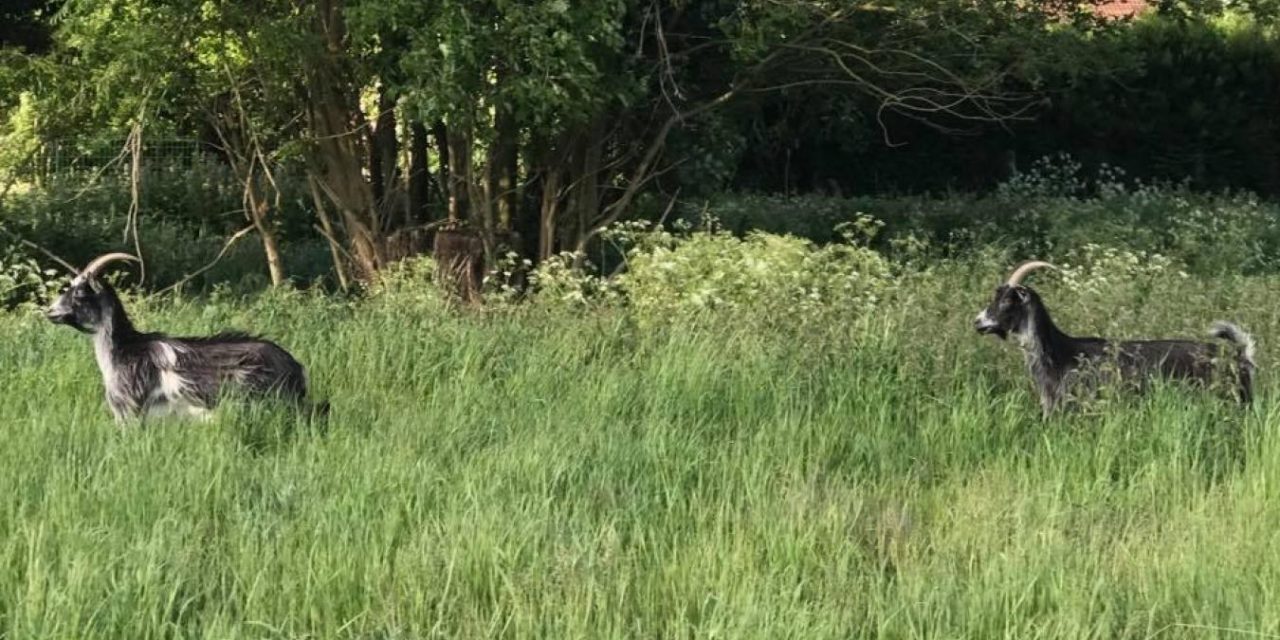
x: 79, y: 306
x: 1007, y: 313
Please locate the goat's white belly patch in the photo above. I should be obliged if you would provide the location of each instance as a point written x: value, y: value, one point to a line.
x: 171, y: 397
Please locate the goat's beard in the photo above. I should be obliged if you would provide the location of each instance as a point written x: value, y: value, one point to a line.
x: 77, y: 326
x: 997, y: 331
x: 71, y: 322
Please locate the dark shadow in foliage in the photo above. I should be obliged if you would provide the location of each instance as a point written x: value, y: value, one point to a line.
x: 1163, y: 98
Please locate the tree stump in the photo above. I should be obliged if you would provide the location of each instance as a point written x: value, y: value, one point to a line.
x: 459, y: 255
x: 407, y: 243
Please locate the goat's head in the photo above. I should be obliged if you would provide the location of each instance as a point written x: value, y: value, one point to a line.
x: 1013, y: 305
x: 85, y: 304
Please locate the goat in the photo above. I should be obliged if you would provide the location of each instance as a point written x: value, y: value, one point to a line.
x: 150, y: 374
x: 1058, y: 362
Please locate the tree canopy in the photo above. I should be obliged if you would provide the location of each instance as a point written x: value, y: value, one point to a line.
x: 528, y: 126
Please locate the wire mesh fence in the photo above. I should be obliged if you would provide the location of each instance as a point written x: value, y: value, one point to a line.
x: 179, y: 181
x: 74, y: 159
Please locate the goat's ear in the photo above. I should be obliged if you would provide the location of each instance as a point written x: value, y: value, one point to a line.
x: 1020, y: 292
x: 94, y: 284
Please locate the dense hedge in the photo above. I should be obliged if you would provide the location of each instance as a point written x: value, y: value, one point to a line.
x: 1163, y: 98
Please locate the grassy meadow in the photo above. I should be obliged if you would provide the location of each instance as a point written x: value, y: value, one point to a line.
x: 543, y: 470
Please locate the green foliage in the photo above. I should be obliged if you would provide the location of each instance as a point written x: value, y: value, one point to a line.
x: 23, y: 282
x: 1188, y: 99
x: 1055, y: 208
x: 453, y: 54
x: 186, y: 213
x: 779, y: 278
x: 1165, y: 98
x: 1186, y: 95
x: 408, y: 285
x: 19, y: 142
x: 559, y: 281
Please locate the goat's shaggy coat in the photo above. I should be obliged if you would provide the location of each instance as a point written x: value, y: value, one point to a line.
x: 1062, y: 365
x: 148, y: 374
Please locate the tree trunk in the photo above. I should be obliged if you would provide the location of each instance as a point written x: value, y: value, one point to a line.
x: 459, y: 173
x: 259, y: 211
x: 503, y: 167
x: 459, y: 255
x: 548, y: 212
x: 441, y: 133
x: 326, y: 226
x: 643, y: 170
x: 419, y: 178
x: 383, y: 148
x: 584, y: 197
x: 338, y: 151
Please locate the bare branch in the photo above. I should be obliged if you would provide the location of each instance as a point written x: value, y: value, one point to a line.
x: 226, y: 246
x: 31, y: 245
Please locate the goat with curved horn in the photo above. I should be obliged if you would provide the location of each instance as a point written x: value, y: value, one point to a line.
x: 152, y: 373
x: 101, y: 261
x: 1027, y: 267
x: 1063, y: 366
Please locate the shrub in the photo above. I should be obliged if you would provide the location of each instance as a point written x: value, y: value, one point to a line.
x: 409, y: 285
x: 770, y: 276
x: 557, y: 282
x: 23, y: 283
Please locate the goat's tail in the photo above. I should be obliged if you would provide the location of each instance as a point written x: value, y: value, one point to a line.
x: 1243, y: 341
x: 1237, y: 336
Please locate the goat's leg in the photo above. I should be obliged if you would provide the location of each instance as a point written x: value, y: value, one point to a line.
x: 1047, y: 405
x: 202, y: 414
x: 121, y: 412
x: 1244, y: 385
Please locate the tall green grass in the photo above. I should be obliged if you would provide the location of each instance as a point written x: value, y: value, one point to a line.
x: 543, y: 472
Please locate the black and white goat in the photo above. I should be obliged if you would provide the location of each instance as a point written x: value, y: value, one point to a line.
x: 1062, y: 366
x: 148, y: 374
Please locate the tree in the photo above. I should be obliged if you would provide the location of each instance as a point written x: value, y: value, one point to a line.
x: 542, y: 121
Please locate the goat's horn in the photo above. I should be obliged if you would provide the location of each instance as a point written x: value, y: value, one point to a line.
x: 1025, y: 268
x: 101, y: 261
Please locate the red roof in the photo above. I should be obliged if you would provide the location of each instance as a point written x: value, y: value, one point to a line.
x: 1121, y: 8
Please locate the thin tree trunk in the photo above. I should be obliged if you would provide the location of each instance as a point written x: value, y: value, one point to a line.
x: 548, y: 213
x: 259, y: 211
x: 481, y: 203
x: 383, y: 147
x: 503, y: 161
x: 245, y: 158
x: 419, y: 177
x: 441, y: 133
x: 459, y: 174
x: 335, y: 251
x: 644, y: 169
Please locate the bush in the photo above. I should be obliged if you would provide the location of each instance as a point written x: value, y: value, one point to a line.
x: 557, y: 282
x: 23, y: 283
x: 783, y: 278
x: 408, y: 285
